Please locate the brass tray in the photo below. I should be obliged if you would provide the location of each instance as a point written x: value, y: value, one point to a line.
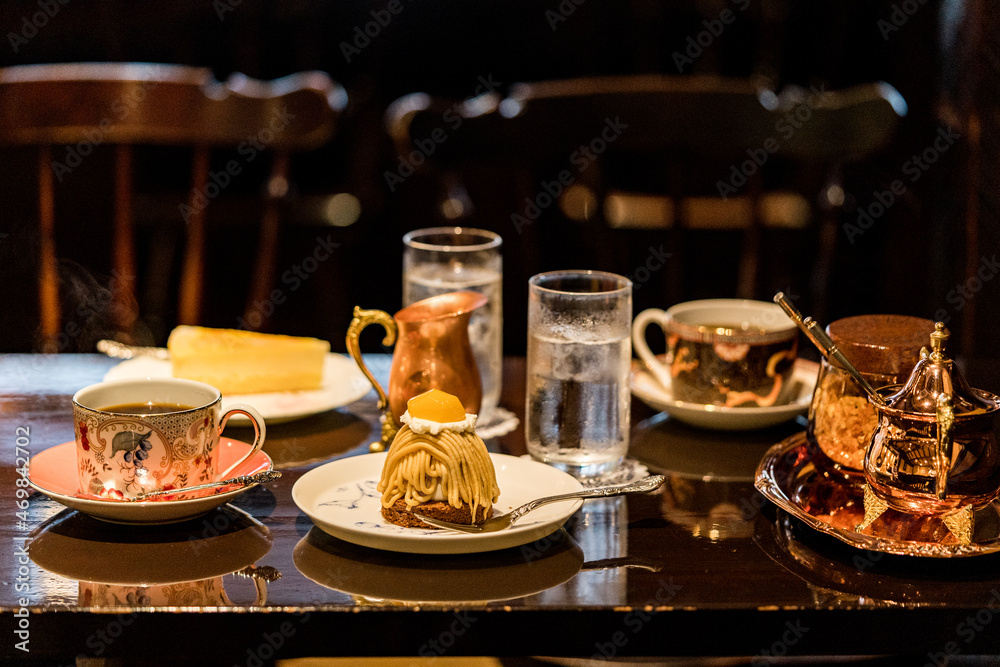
x: 831, y: 504
x: 840, y: 576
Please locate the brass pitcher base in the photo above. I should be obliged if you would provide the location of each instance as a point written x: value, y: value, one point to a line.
x: 959, y: 523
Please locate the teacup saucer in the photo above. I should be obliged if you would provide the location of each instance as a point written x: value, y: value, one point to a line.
x: 53, y: 472
x: 721, y: 418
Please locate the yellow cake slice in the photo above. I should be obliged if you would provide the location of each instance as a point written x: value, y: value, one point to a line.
x: 246, y: 362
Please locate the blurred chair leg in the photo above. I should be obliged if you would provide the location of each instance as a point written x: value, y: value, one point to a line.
x: 123, y: 303
x: 831, y: 200
x: 746, y: 278
x: 193, y: 271
x: 48, y: 270
x: 972, y: 250
x: 266, y: 261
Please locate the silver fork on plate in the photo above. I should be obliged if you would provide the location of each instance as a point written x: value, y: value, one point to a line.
x: 505, y: 521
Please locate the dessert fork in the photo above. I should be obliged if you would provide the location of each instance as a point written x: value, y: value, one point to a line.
x: 505, y: 521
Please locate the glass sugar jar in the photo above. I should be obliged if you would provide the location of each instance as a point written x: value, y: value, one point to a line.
x: 884, y: 348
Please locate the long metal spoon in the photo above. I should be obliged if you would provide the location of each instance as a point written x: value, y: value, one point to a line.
x: 117, y: 350
x: 241, y: 480
x: 505, y: 521
x: 824, y: 344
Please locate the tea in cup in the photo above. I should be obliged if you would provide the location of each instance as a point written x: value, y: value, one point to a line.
x: 140, y: 435
x: 726, y: 352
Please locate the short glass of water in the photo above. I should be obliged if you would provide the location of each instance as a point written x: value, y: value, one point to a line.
x: 579, y: 353
x: 437, y: 260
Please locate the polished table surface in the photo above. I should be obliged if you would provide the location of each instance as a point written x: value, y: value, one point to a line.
x: 703, y: 567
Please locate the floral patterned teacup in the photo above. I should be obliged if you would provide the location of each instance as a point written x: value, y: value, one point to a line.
x: 725, y: 352
x: 152, y: 434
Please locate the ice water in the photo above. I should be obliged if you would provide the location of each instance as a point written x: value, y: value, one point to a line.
x: 578, y: 401
x: 485, y: 324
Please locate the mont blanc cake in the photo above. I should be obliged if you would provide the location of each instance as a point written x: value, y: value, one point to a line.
x: 247, y: 362
x: 437, y: 465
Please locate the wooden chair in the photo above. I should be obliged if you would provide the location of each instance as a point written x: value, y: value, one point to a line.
x: 127, y: 104
x: 662, y: 129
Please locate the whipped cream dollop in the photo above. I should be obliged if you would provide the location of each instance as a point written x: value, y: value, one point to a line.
x: 418, y: 425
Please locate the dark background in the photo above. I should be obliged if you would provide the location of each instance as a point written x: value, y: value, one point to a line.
x: 941, y: 59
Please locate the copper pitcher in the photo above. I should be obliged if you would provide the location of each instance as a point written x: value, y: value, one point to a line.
x: 432, y: 352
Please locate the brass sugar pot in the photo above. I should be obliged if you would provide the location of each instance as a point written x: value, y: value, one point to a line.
x: 935, y: 450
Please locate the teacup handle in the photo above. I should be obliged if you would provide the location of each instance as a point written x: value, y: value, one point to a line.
x: 259, y: 432
x: 362, y: 318
x: 643, y: 320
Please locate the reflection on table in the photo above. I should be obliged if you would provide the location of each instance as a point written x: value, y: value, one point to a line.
x: 181, y: 565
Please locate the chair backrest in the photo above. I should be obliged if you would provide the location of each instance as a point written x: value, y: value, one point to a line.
x: 126, y: 104
x: 597, y: 126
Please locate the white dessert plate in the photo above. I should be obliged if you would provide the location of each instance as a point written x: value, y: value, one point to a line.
x: 341, y: 499
x: 718, y: 417
x: 343, y: 383
x: 53, y: 472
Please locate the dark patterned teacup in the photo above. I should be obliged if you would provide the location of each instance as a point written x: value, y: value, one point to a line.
x: 151, y: 434
x: 728, y: 352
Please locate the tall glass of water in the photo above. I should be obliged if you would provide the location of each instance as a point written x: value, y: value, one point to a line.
x: 579, y: 351
x: 446, y: 259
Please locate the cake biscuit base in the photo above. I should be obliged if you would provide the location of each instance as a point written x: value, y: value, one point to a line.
x: 439, y: 509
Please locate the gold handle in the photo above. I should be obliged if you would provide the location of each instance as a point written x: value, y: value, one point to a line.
x: 362, y: 318
x: 942, y: 464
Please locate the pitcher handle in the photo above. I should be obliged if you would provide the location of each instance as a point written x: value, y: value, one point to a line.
x: 362, y: 318
x: 942, y: 465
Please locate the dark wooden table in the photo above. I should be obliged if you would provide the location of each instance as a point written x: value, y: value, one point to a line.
x: 702, y: 568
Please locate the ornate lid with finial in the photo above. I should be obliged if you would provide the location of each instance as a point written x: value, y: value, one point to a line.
x: 936, y: 375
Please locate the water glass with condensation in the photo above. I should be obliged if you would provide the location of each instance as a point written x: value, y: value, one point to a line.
x: 579, y: 353
x: 437, y: 260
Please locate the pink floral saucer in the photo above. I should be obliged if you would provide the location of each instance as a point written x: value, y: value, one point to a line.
x: 53, y: 472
